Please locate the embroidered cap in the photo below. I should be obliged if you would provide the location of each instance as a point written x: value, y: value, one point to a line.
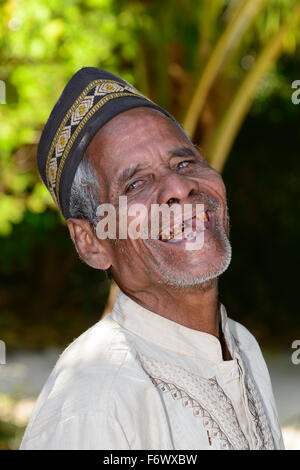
x: 90, y: 99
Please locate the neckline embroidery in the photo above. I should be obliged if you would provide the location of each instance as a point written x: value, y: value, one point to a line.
x: 205, y: 396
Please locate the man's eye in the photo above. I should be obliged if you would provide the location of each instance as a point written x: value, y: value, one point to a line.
x: 184, y: 164
x: 134, y: 185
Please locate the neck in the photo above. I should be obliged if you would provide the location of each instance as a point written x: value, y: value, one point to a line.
x: 194, y: 307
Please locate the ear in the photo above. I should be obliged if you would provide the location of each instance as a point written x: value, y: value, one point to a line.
x: 89, y: 248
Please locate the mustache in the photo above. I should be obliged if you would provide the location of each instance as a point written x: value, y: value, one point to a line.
x: 207, y: 200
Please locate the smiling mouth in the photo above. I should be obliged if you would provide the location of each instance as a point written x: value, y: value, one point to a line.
x: 186, y: 230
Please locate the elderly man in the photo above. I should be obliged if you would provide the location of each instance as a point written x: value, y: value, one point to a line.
x: 167, y: 369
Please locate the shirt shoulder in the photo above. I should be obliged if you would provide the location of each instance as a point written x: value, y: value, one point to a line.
x: 86, y: 377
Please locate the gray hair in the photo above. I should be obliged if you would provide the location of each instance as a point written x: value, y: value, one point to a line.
x: 84, y: 197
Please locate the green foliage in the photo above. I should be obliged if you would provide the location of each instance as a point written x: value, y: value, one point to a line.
x: 10, y: 435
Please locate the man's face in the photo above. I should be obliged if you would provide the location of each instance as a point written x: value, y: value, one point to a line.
x: 142, y: 155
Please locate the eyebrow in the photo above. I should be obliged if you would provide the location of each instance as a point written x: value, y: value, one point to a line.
x: 130, y: 172
x: 182, y: 152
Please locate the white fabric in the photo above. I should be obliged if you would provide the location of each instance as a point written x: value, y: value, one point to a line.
x: 136, y: 380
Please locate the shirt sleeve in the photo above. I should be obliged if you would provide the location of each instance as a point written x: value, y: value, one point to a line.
x: 88, y: 431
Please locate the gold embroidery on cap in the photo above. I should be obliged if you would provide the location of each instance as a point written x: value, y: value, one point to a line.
x: 80, y: 112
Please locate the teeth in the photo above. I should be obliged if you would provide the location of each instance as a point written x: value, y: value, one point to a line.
x: 178, y: 229
x: 164, y: 237
x: 202, y: 217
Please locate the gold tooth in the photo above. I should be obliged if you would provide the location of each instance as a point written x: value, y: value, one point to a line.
x: 164, y: 237
x: 202, y: 217
x: 177, y: 231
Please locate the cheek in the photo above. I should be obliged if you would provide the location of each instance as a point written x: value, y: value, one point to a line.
x: 222, y: 186
x: 138, y: 218
x: 130, y: 256
x: 217, y: 183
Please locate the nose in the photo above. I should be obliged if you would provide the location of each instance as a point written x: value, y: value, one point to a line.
x: 176, y: 189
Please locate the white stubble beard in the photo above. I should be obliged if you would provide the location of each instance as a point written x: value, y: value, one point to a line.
x: 184, y: 279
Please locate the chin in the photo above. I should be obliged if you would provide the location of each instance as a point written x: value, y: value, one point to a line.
x: 196, y: 272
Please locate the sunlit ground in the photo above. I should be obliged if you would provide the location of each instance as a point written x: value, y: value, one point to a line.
x: 24, y: 374
x: 14, y: 415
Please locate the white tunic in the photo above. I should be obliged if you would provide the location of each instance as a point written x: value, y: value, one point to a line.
x: 136, y: 380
